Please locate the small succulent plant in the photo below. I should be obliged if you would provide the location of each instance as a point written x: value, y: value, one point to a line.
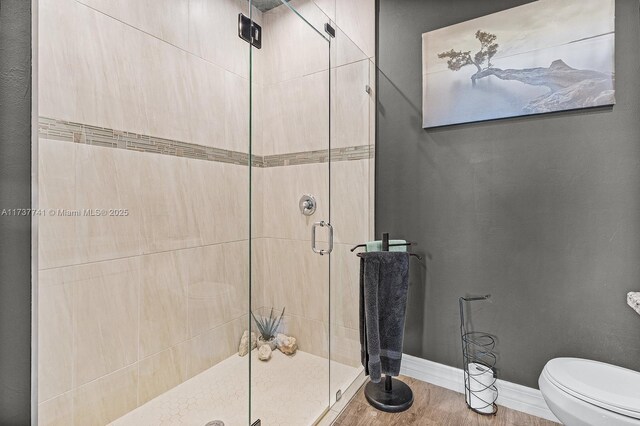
x: 268, y: 326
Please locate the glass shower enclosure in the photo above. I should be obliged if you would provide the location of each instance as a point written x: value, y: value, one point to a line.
x: 206, y: 166
x: 290, y: 199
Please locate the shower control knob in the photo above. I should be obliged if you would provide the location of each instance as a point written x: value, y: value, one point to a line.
x: 308, y: 205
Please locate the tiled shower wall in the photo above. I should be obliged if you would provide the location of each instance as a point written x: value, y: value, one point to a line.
x: 131, y: 306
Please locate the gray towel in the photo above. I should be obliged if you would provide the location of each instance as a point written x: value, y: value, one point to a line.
x: 384, y: 281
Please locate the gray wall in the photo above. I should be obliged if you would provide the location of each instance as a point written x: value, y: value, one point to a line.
x: 541, y: 212
x: 15, y: 192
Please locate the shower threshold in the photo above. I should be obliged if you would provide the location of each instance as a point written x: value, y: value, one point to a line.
x: 284, y: 391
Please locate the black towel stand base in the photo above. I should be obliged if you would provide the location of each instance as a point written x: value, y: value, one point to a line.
x: 390, y: 395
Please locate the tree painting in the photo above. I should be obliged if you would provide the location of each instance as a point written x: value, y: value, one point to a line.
x: 570, y: 86
x: 520, y: 61
x: 488, y: 49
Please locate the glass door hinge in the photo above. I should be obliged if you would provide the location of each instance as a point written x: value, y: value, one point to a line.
x: 330, y: 30
x: 249, y: 31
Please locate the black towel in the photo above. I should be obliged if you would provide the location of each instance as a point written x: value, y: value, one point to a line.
x: 384, y: 281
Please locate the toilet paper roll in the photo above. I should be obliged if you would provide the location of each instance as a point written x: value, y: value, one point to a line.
x: 482, y: 392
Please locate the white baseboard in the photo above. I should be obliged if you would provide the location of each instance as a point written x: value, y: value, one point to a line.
x: 510, y: 395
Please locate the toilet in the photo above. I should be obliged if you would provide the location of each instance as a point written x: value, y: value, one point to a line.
x: 581, y: 392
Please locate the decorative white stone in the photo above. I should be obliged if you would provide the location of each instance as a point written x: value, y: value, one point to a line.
x: 633, y: 299
x: 264, y: 353
x: 243, y: 349
x: 271, y: 343
x: 287, y: 344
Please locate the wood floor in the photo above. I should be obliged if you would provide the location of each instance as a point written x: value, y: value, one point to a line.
x: 432, y: 405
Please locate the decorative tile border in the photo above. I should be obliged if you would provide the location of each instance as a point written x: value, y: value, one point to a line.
x: 311, y: 157
x: 100, y: 136
x: 66, y: 131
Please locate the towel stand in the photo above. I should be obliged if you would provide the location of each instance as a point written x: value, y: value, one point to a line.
x: 407, y: 244
x: 386, y: 247
x: 389, y: 395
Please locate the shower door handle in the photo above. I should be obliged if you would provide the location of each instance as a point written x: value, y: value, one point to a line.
x: 322, y: 224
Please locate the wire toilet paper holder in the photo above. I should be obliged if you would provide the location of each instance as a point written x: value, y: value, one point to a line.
x: 479, y: 365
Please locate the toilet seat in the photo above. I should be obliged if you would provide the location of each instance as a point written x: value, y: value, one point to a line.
x: 606, y: 386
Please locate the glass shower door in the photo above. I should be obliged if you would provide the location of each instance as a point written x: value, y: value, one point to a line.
x: 290, y: 231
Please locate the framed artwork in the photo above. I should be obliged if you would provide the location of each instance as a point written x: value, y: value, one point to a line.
x: 545, y: 56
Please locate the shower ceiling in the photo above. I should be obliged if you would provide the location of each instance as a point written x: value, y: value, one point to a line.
x: 264, y: 5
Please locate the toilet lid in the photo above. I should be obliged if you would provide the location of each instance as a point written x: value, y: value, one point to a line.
x: 606, y: 386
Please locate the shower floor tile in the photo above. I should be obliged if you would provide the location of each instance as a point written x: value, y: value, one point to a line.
x: 285, y: 391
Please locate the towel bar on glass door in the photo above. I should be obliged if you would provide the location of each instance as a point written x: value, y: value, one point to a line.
x: 321, y: 252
